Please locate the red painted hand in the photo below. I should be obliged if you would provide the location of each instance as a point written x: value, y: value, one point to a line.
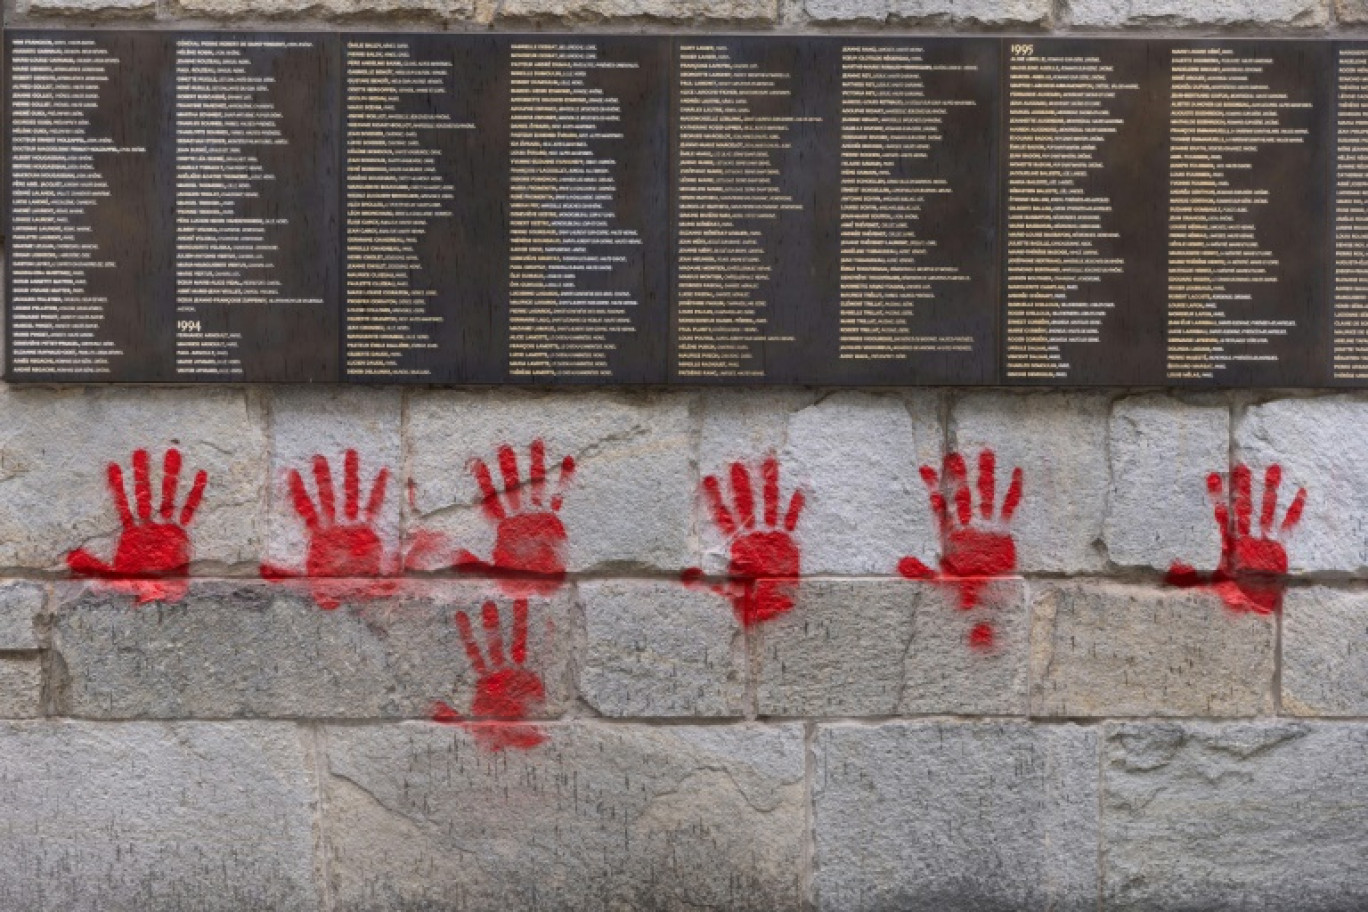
x: 149, y: 550
x: 971, y: 555
x: 764, y: 564
x: 1252, y: 575
x: 529, y: 539
x: 340, y: 553
x: 506, y: 693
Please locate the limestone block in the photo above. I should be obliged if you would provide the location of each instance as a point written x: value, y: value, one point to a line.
x: 1325, y: 652
x: 940, y: 12
x: 1196, y: 13
x: 956, y: 816
x: 658, y: 649
x: 21, y: 686
x: 1111, y: 649
x: 1249, y: 816
x: 852, y: 648
x: 1159, y: 511
x: 20, y: 605
x: 469, y: 10
x: 148, y: 817
x: 94, y: 9
x: 590, y: 11
x: 598, y: 816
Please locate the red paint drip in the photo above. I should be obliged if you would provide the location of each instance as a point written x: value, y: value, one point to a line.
x: 981, y: 637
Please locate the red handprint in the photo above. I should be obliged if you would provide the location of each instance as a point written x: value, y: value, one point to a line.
x: 502, y: 691
x: 763, y: 564
x: 148, y: 549
x: 529, y: 542
x: 340, y: 553
x: 971, y: 555
x: 1252, y: 575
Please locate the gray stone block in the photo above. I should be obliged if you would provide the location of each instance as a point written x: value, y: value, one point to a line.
x: 851, y: 648
x: 1319, y: 444
x: 1059, y: 441
x: 1193, y: 13
x: 21, y: 686
x: 93, y: 9
x: 469, y: 10
x: 1325, y: 652
x: 629, y: 503
x: 260, y: 650
x: 1351, y: 11
x: 1001, y: 13
x: 956, y: 816
x: 589, y: 11
x: 147, y: 817
x: 20, y: 605
x: 1111, y: 649
x: 1162, y: 451
x: 658, y: 649
x: 599, y: 816
x: 1248, y: 816
x: 56, y: 445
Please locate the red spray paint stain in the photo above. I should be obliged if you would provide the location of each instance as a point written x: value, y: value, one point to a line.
x: 975, y: 545
x: 764, y: 561
x: 345, y: 555
x: 1252, y: 574
x: 506, y: 692
x: 529, y: 539
x: 150, y: 548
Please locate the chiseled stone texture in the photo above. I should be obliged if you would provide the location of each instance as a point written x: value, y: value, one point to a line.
x: 94, y: 9
x: 1196, y: 13
x: 56, y: 445
x: 1319, y: 443
x: 20, y: 605
x: 659, y: 649
x: 1114, y: 649
x: 264, y: 650
x: 458, y: 10
x: 857, y: 457
x: 599, y: 816
x: 851, y: 648
x: 1248, y: 816
x: 956, y: 816
x: 940, y: 12
x: 591, y: 11
x: 1060, y: 443
x: 146, y: 817
x: 1351, y: 11
x: 1159, y: 511
x: 1325, y: 652
x: 328, y: 421
x: 21, y: 686
x: 629, y: 504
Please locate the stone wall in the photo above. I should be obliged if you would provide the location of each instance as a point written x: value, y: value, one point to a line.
x: 367, y: 728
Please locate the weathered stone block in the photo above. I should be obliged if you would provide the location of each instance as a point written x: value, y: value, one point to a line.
x: 877, y: 648
x: 1319, y: 444
x: 1325, y: 652
x: 261, y: 650
x: 1249, y: 816
x: 1111, y: 649
x: 629, y: 504
x: 1059, y: 441
x: 56, y: 445
x: 340, y: 9
x: 153, y: 817
x: 659, y: 649
x: 956, y: 816
x: 736, y: 11
x: 1162, y: 451
x: 1351, y: 11
x: 21, y: 686
x: 94, y: 9
x: 20, y: 605
x: 951, y: 12
x: 1192, y: 13
x: 598, y: 816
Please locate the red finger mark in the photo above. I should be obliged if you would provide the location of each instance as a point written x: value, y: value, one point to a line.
x: 795, y: 510
x: 351, y: 483
x: 1272, y: 480
x: 537, y: 473
x: 958, y: 474
x: 327, y: 505
x: 769, y: 473
x: 192, y: 502
x: 1013, y: 498
x: 142, y: 485
x: 508, y: 468
x: 377, y: 495
x: 114, y: 474
x: 83, y: 562
x: 492, y: 507
x: 1219, y: 507
x: 520, y: 631
x: 981, y: 637
x: 713, y: 493
x: 1244, y: 501
x: 938, y: 506
x: 1294, y: 512
x: 303, y: 504
x: 493, y: 637
x: 171, y: 466
x: 472, y: 649
x: 567, y: 474
x: 987, y: 483
x: 742, y: 495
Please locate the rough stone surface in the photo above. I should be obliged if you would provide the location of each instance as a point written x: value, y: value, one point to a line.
x: 467, y: 10
x: 659, y: 649
x: 1351, y: 11
x: 851, y: 648
x: 1112, y: 649
x: 1060, y: 444
x: 20, y: 605
x: 94, y: 9
x: 262, y: 650
x: 148, y: 817
x: 1162, y: 451
x: 55, y: 446
x: 308, y: 422
x: 938, y: 12
x: 935, y: 816
x: 590, y: 11
x: 599, y: 816
x: 1249, y: 816
x: 629, y: 504
x: 21, y: 686
x: 857, y: 457
x: 1325, y: 652
x: 1196, y: 13
x: 1320, y: 444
